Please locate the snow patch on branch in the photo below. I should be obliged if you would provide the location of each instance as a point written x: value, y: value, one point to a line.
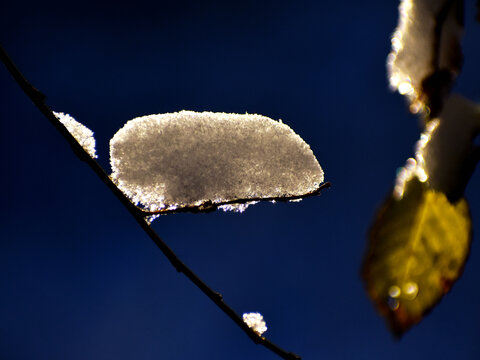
x: 80, y: 132
x: 255, y: 322
x: 170, y: 161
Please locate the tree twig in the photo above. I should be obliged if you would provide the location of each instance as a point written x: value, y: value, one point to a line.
x: 210, y: 206
x: 39, y: 101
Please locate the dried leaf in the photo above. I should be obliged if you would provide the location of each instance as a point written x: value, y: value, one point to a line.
x: 418, y: 247
x: 426, y: 53
x: 446, y: 154
x: 449, y: 153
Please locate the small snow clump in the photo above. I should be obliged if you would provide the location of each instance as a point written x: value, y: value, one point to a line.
x: 81, y: 133
x: 255, y: 322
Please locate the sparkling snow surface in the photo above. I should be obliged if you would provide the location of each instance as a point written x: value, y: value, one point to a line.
x: 81, y: 133
x: 413, y: 46
x: 189, y: 159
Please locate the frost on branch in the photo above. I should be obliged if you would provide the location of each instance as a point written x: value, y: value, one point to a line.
x: 81, y: 133
x: 426, y: 53
x: 185, y: 159
x: 255, y: 322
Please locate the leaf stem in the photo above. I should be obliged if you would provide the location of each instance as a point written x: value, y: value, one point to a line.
x: 38, y: 100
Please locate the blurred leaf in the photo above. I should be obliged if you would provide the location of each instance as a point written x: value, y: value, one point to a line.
x: 418, y: 248
x: 426, y: 53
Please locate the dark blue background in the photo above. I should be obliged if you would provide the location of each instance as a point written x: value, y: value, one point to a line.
x: 78, y: 277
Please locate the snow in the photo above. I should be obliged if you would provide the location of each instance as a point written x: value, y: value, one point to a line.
x: 169, y: 161
x: 81, y: 133
x: 412, y: 58
x: 255, y: 321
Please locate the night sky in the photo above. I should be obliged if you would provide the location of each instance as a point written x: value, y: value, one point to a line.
x: 79, y: 279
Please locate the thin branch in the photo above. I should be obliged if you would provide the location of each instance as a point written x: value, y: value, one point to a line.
x: 39, y: 101
x: 210, y: 206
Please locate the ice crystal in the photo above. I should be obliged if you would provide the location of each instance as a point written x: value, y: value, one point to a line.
x: 81, y: 133
x: 169, y: 161
x: 255, y: 322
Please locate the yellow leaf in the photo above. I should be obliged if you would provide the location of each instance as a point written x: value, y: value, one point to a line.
x: 418, y: 248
